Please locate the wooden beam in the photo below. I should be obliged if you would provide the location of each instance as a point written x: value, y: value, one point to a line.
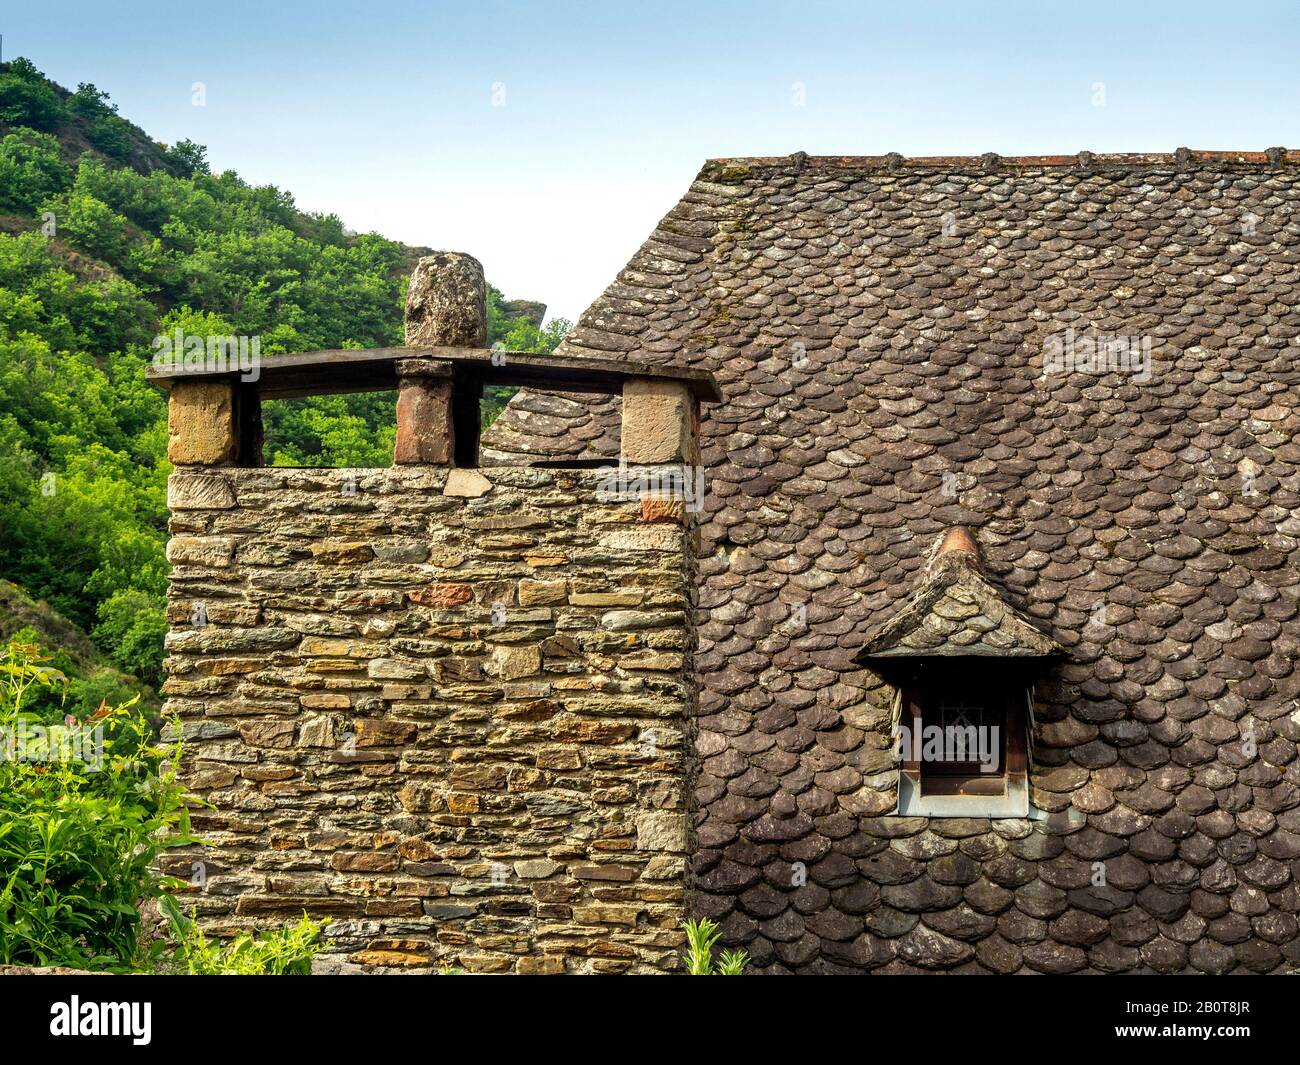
x: 373, y: 370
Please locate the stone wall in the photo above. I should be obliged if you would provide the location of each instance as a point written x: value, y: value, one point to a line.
x: 451, y: 713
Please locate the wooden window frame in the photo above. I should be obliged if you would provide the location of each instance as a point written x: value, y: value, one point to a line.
x: 965, y: 792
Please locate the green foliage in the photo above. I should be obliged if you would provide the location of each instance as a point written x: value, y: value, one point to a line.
x: 132, y: 625
x: 111, y: 135
x: 90, y: 102
x: 86, y: 808
x: 31, y: 171
x: 189, y: 158
x: 353, y: 430
x: 701, y: 937
x: 27, y: 99
x: 282, y: 952
x: 91, y: 224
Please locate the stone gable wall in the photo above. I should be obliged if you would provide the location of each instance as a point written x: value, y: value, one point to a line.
x: 453, y: 717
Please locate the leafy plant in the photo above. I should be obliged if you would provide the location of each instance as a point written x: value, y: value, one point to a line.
x: 86, y: 808
x: 27, y: 99
x: 702, y: 936
x: 281, y: 952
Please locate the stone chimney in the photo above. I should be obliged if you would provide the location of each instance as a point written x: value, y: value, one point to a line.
x: 450, y: 709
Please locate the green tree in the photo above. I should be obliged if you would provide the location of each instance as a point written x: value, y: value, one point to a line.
x: 90, y: 102
x: 31, y: 170
x: 132, y: 624
x: 188, y: 157
x: 27, y: 99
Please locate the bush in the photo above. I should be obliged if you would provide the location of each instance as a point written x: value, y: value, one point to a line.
x: 86, y: 808
x: 26, y: 99
x: 282, y: 952
x: 31, y: 170
x: 111, y: 135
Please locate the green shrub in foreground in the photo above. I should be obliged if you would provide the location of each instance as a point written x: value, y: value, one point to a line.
x: 282, y: 952
x: 86, y: 808
x: 701, y: 937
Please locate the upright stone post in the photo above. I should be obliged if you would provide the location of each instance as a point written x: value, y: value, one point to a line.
x: 203, y: 423
x: 424, y: 420
x: 659, y: 424
x: 446, y: 306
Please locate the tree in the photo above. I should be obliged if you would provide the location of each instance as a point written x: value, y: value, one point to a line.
x: 189, y: 158
x: 31, y: 170
x: 89, y: 102
x: 26, y: 98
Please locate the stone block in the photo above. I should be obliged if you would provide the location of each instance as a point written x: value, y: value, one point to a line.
x: 542, y: 593
x: 509, y: 663
x: 467, y: 484
x: 424, y: 425
x: 658, y: 422
x: 659, y: 831
x: 201, y: 425
x: 215, y: 551
x: 193, y: 491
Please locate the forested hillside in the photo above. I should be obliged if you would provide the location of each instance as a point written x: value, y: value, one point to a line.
x: 108, y: 239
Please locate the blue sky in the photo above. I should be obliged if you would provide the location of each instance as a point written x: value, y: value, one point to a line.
x: 548, y: 138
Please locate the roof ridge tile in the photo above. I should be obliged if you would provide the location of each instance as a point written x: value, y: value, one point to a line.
x: 1180, y: 157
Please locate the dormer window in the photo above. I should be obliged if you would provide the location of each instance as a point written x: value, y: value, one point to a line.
x: 960, y: 658
x: 962, y: 747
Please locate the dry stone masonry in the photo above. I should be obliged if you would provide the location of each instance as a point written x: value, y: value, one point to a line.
x: 449, y: 709
x: 451, y: 712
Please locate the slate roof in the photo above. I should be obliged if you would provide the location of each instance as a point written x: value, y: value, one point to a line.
x: 878, y: 327
x: 956, y: 613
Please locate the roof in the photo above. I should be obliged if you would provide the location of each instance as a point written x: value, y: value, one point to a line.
x: 710, y: 232
x: 956, y: 613
x: 991, y: 161
x: 880, y: 333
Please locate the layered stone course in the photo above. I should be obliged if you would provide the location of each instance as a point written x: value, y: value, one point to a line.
x: 453, y: 717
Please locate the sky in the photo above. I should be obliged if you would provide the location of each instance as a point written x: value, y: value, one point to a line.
x: 548, y: 139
